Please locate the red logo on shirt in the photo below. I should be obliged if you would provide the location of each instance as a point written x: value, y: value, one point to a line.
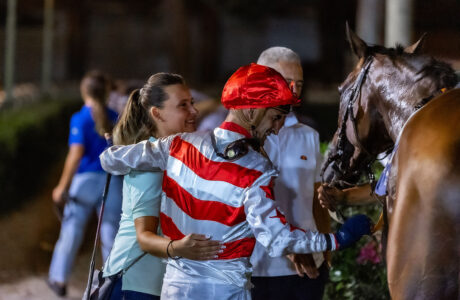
x: 268, y: 189
x: 283, y: 221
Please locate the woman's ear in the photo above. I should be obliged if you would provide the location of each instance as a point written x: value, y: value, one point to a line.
x: 155, y: 113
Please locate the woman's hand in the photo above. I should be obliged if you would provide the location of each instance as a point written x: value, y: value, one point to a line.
x: 193, y: 246
x: 197, y: 247
x: 59, y: 195
x: 71, y: 164
x: 329, y: 197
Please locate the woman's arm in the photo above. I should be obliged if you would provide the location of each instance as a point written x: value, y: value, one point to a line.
x: 72, y: 162
x: 144, y: 192
x: 192, y: 246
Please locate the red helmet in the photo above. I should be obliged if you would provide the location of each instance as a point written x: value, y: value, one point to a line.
x: 256, y: 86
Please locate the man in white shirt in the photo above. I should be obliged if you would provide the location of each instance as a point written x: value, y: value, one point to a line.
x: 295, y: 154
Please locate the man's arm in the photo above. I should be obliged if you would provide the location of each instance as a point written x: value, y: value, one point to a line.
x: 271, y: 228
x: 304, y: 263
x: 272, y: 231
x: 329, y: 196
x: 143, y: 156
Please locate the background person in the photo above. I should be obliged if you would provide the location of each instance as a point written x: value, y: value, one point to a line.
x: 163, y: 106
x: 219, y: 184
x: 295, y: 153
x: 82, y: 181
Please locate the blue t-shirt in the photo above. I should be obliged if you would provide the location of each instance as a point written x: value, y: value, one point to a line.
x: 83, y: 132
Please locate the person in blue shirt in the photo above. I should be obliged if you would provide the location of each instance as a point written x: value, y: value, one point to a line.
x: 79, y: 191
x: 164, y: 106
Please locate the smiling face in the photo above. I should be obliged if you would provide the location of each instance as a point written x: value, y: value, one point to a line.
x: 178, y: 113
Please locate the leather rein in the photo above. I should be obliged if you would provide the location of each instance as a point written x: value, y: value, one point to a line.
x: 342, y: 137
x: 349, y: 114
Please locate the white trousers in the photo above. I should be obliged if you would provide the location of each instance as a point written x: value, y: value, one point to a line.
x: 178, y: 285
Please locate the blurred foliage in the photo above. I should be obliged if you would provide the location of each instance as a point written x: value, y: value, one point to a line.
x: 352, y: 279
x: 32, y: 139
x: 351, y: 276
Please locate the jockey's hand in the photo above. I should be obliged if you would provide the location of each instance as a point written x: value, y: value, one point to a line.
x: 352, y: 230
x: 329, y: 197
x: 304, y: 264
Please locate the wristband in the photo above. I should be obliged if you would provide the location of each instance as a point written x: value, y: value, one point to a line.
x: 167, y: 251
x: 328, y: 242
x: 331, y: 242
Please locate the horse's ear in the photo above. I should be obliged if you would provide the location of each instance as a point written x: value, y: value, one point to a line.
x: 358, y: 46
x: 417, y: 46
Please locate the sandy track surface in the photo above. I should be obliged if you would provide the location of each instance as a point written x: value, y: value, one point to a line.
x: 27, y: 238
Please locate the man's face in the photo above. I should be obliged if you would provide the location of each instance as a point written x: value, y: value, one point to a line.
x: 293, y: 74
x: 271, y: 122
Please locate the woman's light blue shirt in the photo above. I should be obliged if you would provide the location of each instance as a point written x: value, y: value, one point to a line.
x: 141, y: 198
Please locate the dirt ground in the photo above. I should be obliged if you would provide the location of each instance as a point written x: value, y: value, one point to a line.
x: 27, y: 238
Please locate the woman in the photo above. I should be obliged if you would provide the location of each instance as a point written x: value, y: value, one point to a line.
x: 82, y: 181
x: 162, y: 107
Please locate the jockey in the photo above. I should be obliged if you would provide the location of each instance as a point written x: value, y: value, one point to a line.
x: 220, y: 183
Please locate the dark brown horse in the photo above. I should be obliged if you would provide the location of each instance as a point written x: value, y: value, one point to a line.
x: 397, y: 92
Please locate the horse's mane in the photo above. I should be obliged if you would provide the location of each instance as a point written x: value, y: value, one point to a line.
x: 426, y: 66
x: 442, y: 71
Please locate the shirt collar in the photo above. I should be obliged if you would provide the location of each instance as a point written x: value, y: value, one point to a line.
x: 228, y: 132
x: 235, y: 128
x: 291, y: 120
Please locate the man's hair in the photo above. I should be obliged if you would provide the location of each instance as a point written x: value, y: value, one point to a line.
x: 273, y: 55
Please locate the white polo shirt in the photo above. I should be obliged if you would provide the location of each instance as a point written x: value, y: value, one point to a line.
x: 295, y: 153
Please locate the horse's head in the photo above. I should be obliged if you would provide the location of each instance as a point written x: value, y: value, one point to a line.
x: 384, y: 89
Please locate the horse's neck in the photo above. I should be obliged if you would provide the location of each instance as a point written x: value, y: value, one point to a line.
x: 397, y: 116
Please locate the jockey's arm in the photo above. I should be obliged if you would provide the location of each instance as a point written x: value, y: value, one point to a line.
x: 143, y: 156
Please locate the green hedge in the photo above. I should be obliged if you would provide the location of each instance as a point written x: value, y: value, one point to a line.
x: 32, y: 140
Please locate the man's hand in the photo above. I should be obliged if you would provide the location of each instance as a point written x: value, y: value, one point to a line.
x: 329, y: 197
x: 304, y: 263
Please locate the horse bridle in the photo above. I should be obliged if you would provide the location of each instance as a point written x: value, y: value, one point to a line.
x: 349, y: 114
